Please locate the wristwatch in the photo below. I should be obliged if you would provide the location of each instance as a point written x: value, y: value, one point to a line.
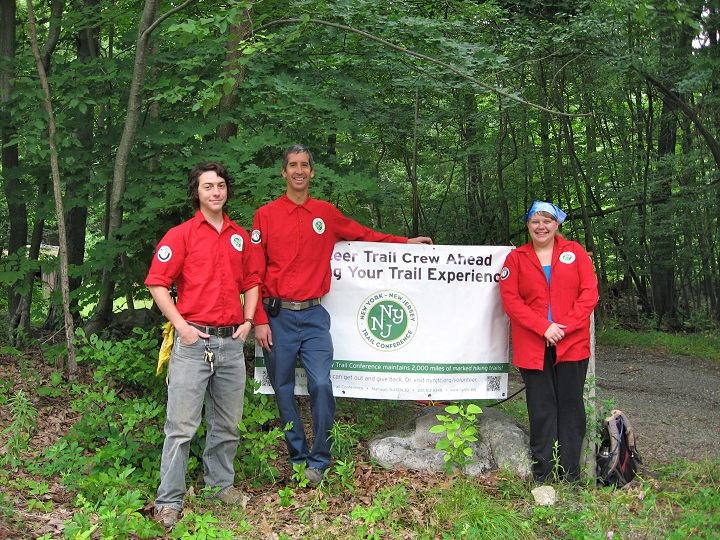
x: 251, y: 321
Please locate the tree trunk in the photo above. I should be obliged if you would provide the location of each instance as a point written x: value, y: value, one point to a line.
x: 238, y: 34
x: 502, y: 164
x: 662, y: 233
x: 148, y: 22
x: 63, y: 267
x: 17, y: 210
x: 76, y: 218
x: 413, y: 177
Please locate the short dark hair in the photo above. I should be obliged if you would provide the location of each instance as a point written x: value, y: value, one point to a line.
x: 297, y: 149
x: 194, y: 180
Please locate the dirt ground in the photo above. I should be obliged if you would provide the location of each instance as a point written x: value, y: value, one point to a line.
x: 673, y: 402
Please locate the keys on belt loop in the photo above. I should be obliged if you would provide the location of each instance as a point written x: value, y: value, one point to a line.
x: 209, y: 356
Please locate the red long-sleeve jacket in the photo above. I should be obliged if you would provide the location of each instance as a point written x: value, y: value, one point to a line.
x: 526, y: 297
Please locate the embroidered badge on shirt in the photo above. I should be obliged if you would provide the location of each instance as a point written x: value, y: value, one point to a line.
x: 318, y: 225
x: 505, y: 273
x: 255, y: 236
x: 567, y: 258
x: 164, y: 254
x: 236, y: 241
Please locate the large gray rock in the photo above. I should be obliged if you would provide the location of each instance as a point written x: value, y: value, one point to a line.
x: 501, y: 443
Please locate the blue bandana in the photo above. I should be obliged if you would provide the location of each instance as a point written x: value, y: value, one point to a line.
x: 550, y: 208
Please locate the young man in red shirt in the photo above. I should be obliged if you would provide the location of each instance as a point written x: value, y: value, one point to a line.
x: 293, y: 239
x: 207, y: 257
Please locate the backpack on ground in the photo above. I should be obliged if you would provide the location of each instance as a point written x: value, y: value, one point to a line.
x: 618, y: 458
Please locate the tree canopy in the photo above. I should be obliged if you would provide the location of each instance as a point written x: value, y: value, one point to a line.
x: 444, y: 118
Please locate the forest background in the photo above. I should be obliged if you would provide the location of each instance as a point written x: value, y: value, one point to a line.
x: 444, y: 118
x: 441, y: 118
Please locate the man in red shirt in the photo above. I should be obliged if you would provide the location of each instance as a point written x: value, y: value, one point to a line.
x: 293, y: 239
x: 207, y: 257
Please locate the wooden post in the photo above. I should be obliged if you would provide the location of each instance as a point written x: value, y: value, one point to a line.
x: 591, y: 408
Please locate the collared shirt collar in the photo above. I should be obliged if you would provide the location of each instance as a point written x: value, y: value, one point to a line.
x: 199, y: 219
x: 291, y: 205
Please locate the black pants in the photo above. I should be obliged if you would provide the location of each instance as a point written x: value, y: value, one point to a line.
x: 557, y: 414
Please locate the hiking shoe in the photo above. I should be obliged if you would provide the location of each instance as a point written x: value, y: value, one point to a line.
x: 167, y: 517
x: 230, y: 495
x: 314, y: 475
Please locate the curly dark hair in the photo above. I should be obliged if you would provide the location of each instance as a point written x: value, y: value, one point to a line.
x: 194, y: 179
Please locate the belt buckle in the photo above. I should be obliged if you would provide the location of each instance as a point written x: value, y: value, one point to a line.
x: 224, y: 331
x: 297, y: 306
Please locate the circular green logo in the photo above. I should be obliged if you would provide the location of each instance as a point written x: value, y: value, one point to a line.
x: 387, y: 320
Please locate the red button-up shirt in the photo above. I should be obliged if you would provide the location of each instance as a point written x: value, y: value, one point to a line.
x: 293, y: 244
x: 526, y: 296
x: 211, y: 270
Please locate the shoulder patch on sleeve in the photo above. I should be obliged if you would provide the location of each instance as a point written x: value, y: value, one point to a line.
x: 164, y: 254
x: 505, y: 273
x: 256, y: 237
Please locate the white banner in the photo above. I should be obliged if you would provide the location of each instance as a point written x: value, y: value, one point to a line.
x: 419, y: 322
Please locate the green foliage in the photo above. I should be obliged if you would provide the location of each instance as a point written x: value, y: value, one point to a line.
x: 55, y: 387
x: 13, y: 269
x: 115, y: 443
x: 204, y: 527
x: 259, y: 443
x: 460, y: 427
x: 468, y: 512
x: 109, y: 462
x: 476, y: 150
x: 344, y: 438
x: 374, y: 517
x: 129, y: 362
x: 286, y: 496
x: 705, y: 345
x: 345, y: 471
x: 691, y: 508
x: 298, y: 475
x: 118, y: 513
x: 24, y: 422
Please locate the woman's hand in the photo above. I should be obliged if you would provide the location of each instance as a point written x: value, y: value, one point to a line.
x: 554, y: 333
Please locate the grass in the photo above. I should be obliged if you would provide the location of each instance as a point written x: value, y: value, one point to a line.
x: 704, y: 345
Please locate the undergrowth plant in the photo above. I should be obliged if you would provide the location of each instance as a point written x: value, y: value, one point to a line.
x: 24, y: 422
x: 207, y: 527
x: 344, y: 474
x: 344, y: 437
x: 465, y: 510
x: 460, y: 427
x: 259, y: 442
x: 118, y: 517
x: 373, y: 518
x: 129, y: 362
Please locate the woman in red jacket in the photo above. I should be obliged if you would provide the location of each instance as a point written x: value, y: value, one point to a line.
x: 549, y: 290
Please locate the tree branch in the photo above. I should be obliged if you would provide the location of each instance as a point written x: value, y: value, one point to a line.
x: 430, y: 59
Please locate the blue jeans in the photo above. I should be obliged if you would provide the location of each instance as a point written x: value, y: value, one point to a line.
x: 191, y: 381
x: 306, y: 334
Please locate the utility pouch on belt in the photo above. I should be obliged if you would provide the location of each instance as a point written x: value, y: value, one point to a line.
x: 274, y: 306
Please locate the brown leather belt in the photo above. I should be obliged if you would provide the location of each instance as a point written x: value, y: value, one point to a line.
x: 296, y: 306
x: 219, y: 331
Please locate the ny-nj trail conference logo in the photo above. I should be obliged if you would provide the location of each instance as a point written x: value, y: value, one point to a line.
x: 387, y: 320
